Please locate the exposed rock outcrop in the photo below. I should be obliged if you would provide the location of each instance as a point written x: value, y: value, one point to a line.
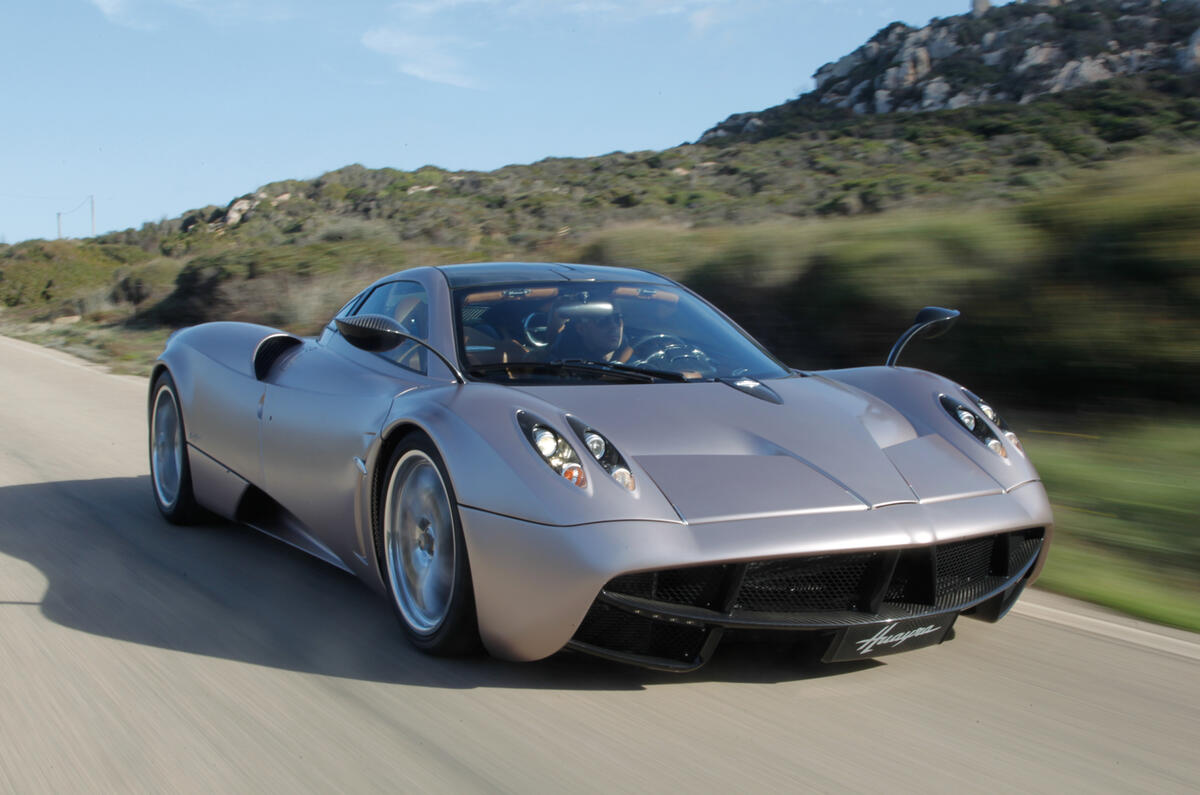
x: 238, y: 210
x: 1014, y: 52
x: 1079, y: 73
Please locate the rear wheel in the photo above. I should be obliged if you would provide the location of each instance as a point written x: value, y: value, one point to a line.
x: 423, y: 553
x: 170, y: 472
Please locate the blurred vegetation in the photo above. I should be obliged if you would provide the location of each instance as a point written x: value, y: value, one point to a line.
x: 1086, y: 295
x: 1125, y: 503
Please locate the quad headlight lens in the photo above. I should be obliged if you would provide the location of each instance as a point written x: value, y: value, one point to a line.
x: 985, y: 433
x: 561, y: 457
x: 595, y: 444
x: 624, y: 477
x: 556, y: 451
x: 974, y: 424
x: 605, y: 453
x: 995, y: 417
x: 574, y: 474
x: 546, y: 441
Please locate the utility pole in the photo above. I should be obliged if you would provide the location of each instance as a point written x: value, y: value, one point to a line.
x: 91, y: 199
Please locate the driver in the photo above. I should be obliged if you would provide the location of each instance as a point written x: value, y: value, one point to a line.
x: 595, y: 335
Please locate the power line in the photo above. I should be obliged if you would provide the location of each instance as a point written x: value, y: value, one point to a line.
x: 79, y: 206
x: 89, y: 199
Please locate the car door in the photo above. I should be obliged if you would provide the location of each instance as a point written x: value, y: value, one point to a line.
x: 323, y: 411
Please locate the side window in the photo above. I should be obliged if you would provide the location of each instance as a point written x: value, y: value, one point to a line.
x: 345, y: 310
x: 408, y: 304
x: 331, y: 327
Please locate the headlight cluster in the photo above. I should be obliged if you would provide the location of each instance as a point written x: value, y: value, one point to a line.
x: 992, y: 415
x: 974, y: 423
x: 560, y: 455
x: 555, y: 450
x: 605, y: 454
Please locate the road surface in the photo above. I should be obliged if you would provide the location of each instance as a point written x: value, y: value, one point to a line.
x: 140, y: 657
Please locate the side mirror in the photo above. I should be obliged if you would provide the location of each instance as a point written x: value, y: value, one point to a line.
x: 380, y: 333
x: 933, y: 320
x: 374, y: 333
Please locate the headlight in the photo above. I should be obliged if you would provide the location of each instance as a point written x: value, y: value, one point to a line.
x: 595, y: 444
x: 605, y: 453
x: 624, y: 477
x: 556, y: 451
x: 973, y: 424
x: 546, y: 441
x: 995, y: 418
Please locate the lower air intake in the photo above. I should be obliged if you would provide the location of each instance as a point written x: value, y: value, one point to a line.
x: 629, y: 635
x: 665, y: 618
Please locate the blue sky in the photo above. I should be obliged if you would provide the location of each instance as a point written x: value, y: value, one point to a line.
x: 159, y: 106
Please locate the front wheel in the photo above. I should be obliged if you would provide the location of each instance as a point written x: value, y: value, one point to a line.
x: 423, y: 553
x: 170, y: 471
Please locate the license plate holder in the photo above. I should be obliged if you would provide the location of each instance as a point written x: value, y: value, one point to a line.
x: 874, y: 640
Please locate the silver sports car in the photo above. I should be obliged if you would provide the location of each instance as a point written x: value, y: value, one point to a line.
x: 543, y: 456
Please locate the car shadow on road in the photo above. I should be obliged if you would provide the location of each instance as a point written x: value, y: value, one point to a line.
x: 115, y: 568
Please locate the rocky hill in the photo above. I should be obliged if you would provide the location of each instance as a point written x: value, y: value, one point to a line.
x: 1012, y: 53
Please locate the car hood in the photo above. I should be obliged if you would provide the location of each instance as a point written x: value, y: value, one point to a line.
x: 719, y: 453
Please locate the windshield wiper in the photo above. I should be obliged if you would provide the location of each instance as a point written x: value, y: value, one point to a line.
x: 583, y: 365
x: 621, y: 367
x: 556, y: 368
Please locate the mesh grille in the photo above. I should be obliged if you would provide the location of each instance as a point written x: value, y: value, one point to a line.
x: 626, y: 633
x: 824, y: 582
x: 960, y: 564
x: 901, y: 589
x: 697, y: 587
x: 1024, y: 547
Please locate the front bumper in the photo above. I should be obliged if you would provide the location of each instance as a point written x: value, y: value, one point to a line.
x: 536, y: 584
x: 863, y: 603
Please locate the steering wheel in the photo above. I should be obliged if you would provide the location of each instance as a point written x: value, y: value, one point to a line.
x: 536, y: 327
x: 668, y: 352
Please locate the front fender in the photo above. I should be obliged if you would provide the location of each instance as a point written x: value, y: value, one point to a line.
x: 914, y: 393
x: 494, y: 467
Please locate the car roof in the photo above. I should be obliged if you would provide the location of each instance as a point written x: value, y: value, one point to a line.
x: 482, y: 273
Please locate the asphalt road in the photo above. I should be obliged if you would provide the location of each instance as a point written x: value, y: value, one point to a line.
x: 136, y: 656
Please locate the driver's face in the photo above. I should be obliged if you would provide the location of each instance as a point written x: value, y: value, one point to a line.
x: 603, y: 334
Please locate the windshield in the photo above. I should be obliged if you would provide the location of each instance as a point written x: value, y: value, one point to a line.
x: 600, y: 332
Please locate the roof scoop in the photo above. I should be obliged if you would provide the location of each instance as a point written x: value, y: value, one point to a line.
x: 933, y: 320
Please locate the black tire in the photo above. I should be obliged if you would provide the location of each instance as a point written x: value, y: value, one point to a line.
x: 421, y: 551
x: 170, y: 470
